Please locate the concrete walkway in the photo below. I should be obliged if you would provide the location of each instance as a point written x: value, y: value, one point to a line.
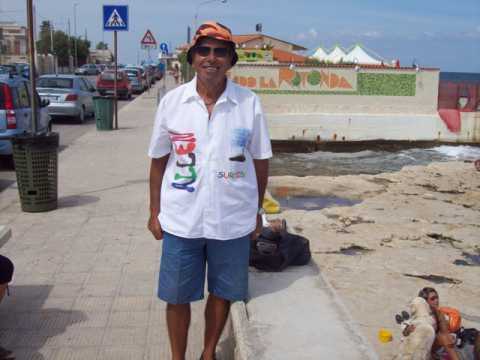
x: 86, y: 274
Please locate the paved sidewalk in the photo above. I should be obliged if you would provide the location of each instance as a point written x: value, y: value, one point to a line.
x: 86, y: 274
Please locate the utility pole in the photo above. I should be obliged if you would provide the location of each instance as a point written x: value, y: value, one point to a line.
x: 31, y: 51
x: 75, y: 62
x: 52, y: 51
x: 69, y: 45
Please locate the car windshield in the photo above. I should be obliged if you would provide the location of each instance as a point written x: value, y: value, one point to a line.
x: 57, y: 83
x: 131, y: 73
x: 109, y: 76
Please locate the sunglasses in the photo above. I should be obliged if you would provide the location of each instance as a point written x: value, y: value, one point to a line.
x: 433, y: 298
x: 219, y: 52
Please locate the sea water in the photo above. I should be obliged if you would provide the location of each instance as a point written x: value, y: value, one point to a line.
x: 365, y: 162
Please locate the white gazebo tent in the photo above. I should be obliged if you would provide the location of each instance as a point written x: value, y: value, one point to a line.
x: 336, y: 55
x: 320, y: 54
x: 358, y: 55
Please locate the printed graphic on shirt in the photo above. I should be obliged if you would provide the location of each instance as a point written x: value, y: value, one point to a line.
x: 184, y: 145
x: 230, y: 175
x: 239, y: 141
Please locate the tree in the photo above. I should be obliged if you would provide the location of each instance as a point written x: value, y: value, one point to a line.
x: 102, y: 46
x: 44, y: 44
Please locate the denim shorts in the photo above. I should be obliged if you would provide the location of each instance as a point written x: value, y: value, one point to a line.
x: 184, y: 262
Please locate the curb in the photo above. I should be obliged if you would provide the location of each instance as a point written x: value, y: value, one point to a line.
x: 5, y: 234
x: 242, y: 330
x: 239, y: 316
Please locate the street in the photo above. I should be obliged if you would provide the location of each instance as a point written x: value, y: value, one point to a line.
x: 69, y: 131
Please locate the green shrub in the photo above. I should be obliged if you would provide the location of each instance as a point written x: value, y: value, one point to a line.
x: 386, y: 84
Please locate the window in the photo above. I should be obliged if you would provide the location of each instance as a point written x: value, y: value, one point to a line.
x: 110, y: 76
x: 55, y: 83
x: 2, y: 96
x: 83, y: 87
x: 23, y: 96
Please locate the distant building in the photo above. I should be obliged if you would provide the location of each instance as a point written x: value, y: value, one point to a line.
x: 100, y: 57
x: 13, y: 43
x: 282, y: 51
x: 262, y: 41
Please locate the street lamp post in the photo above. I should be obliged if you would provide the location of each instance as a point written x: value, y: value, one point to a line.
x: 198, y: 7
x: 75, y: 62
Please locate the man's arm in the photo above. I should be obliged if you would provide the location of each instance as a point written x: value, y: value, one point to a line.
x: 261, y: 170
x: 157, y: 170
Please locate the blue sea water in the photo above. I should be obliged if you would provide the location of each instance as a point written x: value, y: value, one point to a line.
x: 366, y: 162
x: 460, y: 77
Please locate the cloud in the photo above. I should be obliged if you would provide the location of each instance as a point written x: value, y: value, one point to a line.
x: 311, y: 34
x: 372, y: 34
x: 301, y: 36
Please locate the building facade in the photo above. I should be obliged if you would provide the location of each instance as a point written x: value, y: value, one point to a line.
x: 13, y: 43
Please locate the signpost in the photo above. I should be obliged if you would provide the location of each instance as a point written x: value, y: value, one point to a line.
x: 115, y: 18
x: 148, y: 42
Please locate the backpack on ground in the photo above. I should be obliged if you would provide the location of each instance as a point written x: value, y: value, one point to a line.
x: 276, y: 250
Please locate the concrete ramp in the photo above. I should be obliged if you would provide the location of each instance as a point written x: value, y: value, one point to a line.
x: 295, y: 314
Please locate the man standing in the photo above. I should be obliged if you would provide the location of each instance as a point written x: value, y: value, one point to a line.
x: 209, y: 170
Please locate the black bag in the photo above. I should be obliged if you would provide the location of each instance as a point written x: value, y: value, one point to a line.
x: 274, y: 251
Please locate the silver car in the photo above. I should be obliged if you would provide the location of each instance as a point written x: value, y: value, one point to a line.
x: 69, y: 95
x: 87, y: 69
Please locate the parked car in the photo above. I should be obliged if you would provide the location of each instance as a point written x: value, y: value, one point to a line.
x: 105, y: 82
x: 142, y: 71
x: 87, y: 69
x: 16, y: 111
x: 69, y: 95
x: 136, y: 80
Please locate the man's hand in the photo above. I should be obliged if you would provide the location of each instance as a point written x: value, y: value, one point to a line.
x: 258, y: 229
x: 155, y: 227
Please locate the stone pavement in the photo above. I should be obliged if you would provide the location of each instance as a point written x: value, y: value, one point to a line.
x: 86, y: 274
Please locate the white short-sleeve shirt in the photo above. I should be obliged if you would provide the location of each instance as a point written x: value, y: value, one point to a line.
x: 209, y: 188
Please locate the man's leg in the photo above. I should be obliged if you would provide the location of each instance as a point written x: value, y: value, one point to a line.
x: 178, y: 321
x: 216, y: 314
x: 227, y: 282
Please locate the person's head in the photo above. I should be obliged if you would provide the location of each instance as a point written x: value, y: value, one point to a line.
x: 212, y: 52
x: 430, y: 295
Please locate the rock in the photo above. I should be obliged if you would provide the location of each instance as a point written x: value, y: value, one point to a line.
x: 428, y: 196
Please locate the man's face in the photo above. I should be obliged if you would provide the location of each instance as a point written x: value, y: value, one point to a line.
x: 212, y: 59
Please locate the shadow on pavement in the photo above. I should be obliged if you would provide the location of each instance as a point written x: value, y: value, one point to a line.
x: 27, y: 325
x: 262, y: 283
x: 76, y: 200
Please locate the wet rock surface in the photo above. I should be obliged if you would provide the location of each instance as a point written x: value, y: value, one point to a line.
x: 423, y: 221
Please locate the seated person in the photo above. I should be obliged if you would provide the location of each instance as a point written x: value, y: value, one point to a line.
x: 443, y: 338
x: 6, y: 273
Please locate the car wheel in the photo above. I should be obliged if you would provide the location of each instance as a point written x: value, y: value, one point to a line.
x: 81, y: 115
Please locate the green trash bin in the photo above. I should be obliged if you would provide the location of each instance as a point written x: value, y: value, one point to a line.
x: 36, y: 166
x: 104, y: 112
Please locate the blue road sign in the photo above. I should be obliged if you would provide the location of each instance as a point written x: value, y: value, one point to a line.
x: 115, y: 17
x: 164, y: 48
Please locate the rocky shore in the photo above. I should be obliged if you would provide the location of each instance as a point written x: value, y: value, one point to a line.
x: 410, y: 229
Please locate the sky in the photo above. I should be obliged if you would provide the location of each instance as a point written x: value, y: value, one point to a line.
x: 433, y: 33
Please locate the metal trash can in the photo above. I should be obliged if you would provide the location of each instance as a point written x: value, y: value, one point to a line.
x: 104, y: 112
x: 36, y: 165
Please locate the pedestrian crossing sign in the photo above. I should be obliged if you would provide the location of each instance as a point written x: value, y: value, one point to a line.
x: 115, y: 17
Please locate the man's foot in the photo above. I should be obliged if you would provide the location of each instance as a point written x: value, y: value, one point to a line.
x: 201, y: 357
x: 4, y: 353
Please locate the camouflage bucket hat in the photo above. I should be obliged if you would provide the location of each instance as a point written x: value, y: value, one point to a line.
x: 213, y: 30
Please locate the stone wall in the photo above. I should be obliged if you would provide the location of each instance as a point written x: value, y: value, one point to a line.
x: 341, y: 90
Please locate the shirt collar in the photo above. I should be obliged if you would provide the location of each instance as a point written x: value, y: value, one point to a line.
x: 191, y: 92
